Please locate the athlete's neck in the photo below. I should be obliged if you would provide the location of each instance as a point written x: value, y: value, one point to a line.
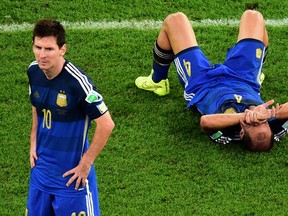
x: 52, y: 72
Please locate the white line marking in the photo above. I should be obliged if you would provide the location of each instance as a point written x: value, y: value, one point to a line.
x: 146, y: 24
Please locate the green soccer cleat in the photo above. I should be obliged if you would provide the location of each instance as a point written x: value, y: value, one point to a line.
x: 162, y: 88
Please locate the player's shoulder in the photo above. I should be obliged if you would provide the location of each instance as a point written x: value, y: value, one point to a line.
x: 78, y: 77
x: 32, y: 69
x: 75, y: 73
x: 73, y: 70
x: 32, y: 65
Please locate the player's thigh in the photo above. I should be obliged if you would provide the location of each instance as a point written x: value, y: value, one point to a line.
x: 246, y: 59
x: 252, y: 26
x: 179, y: 31
x: 39, y: 203
x: 77, y: 206
x: 191, y: 65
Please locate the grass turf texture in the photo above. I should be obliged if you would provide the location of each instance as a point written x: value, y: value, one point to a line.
x: 157, y: 161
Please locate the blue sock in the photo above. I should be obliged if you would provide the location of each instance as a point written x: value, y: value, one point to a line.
x: 160, y: 72
x: 161, y: 62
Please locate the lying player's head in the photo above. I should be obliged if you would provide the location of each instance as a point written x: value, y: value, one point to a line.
x: 47, y: 27
x: 256, y: 138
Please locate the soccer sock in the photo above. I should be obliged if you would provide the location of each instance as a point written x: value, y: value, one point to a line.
x: 161, y: 63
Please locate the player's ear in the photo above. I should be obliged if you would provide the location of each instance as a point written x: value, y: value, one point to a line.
x: 241, y: 134
x: 63, y: 50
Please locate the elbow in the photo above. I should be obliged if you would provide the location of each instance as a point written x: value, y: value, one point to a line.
x: 110, y: 126
x: 204, y: 123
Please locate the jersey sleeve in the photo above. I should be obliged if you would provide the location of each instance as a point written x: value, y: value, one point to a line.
x: 91, y: 101
x: 30, y: 71
x: 93, y: 104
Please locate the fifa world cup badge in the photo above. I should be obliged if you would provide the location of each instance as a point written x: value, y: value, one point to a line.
x: 93, y: 97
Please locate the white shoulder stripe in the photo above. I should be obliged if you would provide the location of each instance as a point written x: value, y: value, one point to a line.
x: 81, y: 78
x: 33, y: 63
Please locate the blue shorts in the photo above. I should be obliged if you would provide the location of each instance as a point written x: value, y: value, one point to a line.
x: 242, y: 67
x: 45, y: 204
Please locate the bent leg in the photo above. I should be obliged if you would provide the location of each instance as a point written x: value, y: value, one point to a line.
x: 252, y: 25
x: 176, y: 33
x: 247, y: 56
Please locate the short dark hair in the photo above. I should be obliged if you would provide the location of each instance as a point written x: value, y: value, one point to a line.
x: 49, y: 27
x: 259, y: 145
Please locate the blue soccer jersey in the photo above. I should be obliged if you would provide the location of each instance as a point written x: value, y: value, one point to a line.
x: 65, y: 107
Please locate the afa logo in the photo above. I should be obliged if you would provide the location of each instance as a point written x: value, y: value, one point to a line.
x: 61, y: 99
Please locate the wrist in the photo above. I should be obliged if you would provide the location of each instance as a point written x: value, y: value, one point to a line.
x: 86, y: 160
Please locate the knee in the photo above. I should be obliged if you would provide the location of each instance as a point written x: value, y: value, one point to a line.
x: 253, y: 15
x: 175, y: 19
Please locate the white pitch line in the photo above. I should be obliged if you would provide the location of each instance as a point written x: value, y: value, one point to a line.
x: 145, y: 24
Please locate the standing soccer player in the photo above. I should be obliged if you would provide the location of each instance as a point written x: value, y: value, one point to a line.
x: 64, y: 102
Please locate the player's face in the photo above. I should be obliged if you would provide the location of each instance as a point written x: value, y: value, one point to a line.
x: 258, y: 134
x: 47, y: 53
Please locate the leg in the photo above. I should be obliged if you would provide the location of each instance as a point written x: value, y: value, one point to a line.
x: 175, y: 35
x: 252, y: 26
x: 247, y: 56
x: 78, y: 205
x: 39, y: 203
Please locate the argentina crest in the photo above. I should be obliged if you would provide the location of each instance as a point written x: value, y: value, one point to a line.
x: 61, y: 99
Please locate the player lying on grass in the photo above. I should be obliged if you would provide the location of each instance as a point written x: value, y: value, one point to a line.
x: 228, y: 88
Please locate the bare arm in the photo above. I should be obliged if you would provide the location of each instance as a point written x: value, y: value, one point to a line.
x: 281, y: 111
x: 213, y: 122
x: 101, y: 135
x: 33, y: 155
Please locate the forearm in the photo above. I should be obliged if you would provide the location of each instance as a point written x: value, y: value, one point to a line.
x: 213, y: 122
x: 97, y: 144
x: 281, y: 111
x: 33, y: 139
x: 102, y: 133
x: 33, y: 135
x: 33, y: 129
